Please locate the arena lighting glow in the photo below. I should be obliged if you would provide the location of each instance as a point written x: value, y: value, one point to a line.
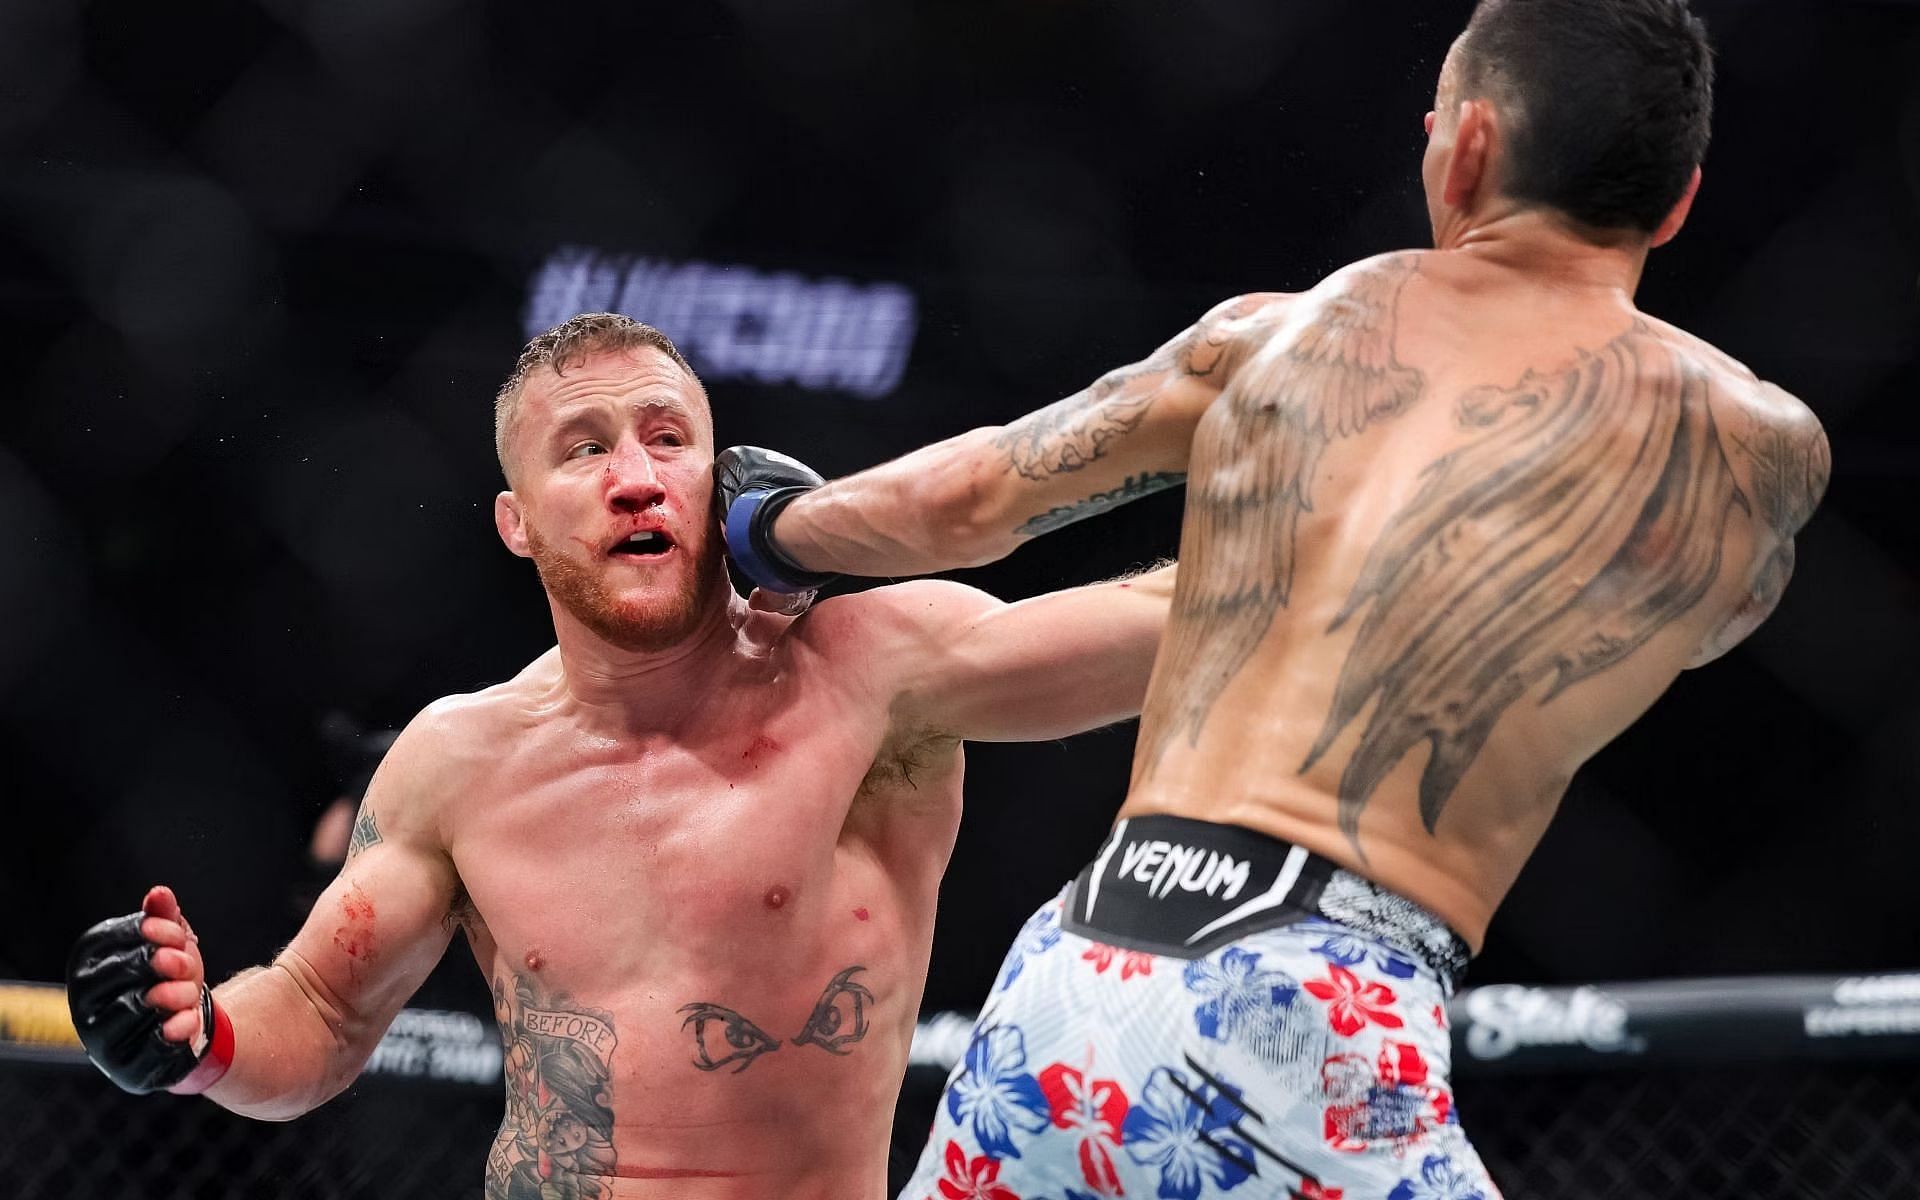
x: 735, y: 322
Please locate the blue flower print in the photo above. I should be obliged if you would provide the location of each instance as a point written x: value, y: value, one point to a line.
x: 1439, y: 1179
x: 994, y: 1094
x: 1235, y: 993
x: 1040, y: 934
x: 1347, y: 948
x: 1177, y: 1129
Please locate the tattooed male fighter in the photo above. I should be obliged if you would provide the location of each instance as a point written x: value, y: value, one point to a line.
x: 1455, y: 519
x: 694, y: 849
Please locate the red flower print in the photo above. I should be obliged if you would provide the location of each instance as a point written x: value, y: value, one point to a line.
x: 1393, y: 1105
x: 1132, y: 962
x: 1440, y: 1015
x: 1095, y: 1110
x: 1351, y: 1004
x: 1401, y: 1063
x: 1310, y: 1189
x: 972, y: 1180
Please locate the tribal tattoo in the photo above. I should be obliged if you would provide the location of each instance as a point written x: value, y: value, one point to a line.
x: 1256, y: 453
x: 365, y: 832
x: 557, y: 1137
x: 723, y: 1037
x: 1790, y: 470
x: 1588, y: 516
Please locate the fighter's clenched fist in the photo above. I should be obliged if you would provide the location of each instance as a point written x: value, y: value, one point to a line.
x: 137, y: 989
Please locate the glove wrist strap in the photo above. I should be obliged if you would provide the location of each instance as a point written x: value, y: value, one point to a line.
x: 219, y: 1056
x: 749, y: 540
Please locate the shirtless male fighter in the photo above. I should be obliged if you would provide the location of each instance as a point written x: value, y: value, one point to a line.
x: 694, y: 849
x: 1455, y: 519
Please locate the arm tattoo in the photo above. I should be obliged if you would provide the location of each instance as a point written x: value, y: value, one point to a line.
x: 1256, y: 453
x: 365, y: 832
x: 1066, y: 436
x: 1134, y: 487
x: 723, y: 1037
x: 1588, y: 516
x: 1790, y: 473
x: 557, y: 1138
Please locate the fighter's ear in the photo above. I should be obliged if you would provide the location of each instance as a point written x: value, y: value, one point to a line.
x: 1469, y: 165
x: 1670, y: 228
x: 512, y: 523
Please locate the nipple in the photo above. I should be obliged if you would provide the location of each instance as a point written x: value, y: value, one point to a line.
x: 777, y: 896
x: 533, y: 960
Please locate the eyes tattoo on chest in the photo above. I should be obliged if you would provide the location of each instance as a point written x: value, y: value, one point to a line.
x: 723, y: 1037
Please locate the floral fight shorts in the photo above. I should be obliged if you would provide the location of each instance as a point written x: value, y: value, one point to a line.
x: 1207, y: 1012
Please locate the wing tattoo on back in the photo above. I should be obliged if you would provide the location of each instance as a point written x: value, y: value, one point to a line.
x: 1588, y: 516
x: 1255, y: 454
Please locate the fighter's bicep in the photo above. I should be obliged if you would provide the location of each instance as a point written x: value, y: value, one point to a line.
x: 1047, y: 667
x: 377, y: 930
x: 1138, y: 419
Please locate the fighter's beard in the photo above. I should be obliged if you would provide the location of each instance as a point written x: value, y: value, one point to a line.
x: 647, y: 626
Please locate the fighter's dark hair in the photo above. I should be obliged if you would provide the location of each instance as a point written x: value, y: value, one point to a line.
x: 1606, y: 104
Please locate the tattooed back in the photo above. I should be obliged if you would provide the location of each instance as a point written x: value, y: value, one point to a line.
x: 1449, y: 530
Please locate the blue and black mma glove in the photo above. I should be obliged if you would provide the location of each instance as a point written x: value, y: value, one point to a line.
x: 750, y: 487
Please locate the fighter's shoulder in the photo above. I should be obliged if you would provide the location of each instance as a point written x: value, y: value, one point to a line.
x: 457, y: 741
x: 894, y: 614
x: 1773, y: 435
x: 1743, y: 399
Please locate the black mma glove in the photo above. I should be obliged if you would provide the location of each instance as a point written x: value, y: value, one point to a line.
x: 750, y: 487
x: 108, y: 975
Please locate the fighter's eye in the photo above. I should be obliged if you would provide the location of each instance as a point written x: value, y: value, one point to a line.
x: 586, y: 448
x: 839, y: 1018
x: 722, y: 1036
x: 670, y: 439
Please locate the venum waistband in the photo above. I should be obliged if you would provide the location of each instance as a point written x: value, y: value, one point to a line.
x: 1184, y: 888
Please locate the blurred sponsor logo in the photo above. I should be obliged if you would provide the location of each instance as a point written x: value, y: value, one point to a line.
x: 1869, y: 1006
x: 35, y: 1014
x: 1506, y: 1017
x: 425, y: 1044
x: 735, y: 322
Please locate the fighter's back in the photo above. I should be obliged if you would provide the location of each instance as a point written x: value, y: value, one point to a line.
x: 1451, y: 526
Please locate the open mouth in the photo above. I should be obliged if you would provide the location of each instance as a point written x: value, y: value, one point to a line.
x: 648, y: 543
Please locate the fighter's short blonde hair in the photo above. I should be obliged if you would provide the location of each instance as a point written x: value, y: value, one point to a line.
x: 568, y: 344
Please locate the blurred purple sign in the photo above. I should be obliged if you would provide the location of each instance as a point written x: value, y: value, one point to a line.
x: 735, y: 322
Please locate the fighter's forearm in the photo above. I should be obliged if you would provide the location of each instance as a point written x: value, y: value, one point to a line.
x: 294, y: 1049
x: 945, y: 506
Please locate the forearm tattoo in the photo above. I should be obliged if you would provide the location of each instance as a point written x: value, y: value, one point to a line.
x: 1134, y: 487
x: 723, y: 1037
x: 1256, y: 453
x: 557, y: 1137
x: 365, y: 831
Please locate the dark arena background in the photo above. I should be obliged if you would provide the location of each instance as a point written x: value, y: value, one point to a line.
x: 263, y: 264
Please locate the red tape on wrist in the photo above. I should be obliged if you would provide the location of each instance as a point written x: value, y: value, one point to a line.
x: 218, y: 1058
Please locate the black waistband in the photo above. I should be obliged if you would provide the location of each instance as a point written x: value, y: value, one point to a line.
x: 1173, y: 886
